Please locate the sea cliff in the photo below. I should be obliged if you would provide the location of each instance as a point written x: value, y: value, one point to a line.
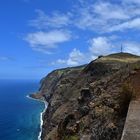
x: 89, y: 102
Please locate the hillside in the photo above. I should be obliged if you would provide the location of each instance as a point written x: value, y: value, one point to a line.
x: 89, y: 102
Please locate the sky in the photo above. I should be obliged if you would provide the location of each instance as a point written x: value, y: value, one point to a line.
x: 38, y: 36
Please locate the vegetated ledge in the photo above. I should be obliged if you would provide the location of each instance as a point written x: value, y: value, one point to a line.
x: 89, y: 102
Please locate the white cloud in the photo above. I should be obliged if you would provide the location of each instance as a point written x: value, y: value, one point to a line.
x: 132, y: 24
x: 98, y: 16
x: 106, y: 45
x: 44, y: 41
x: 55, y: 20
x: 76, y: 57
x: 61, y: 61
x: 100, y: 46
x: 132, y: 47
x: 97, y: 46
x: 101, y: 15
x: 110, y: 11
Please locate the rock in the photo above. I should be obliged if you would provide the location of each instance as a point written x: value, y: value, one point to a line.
x: 84, y: 110
x: 133, y: 72
x: 100, y: 56
x: 68, y: 126
x: 86, y: 137
x: 81, y: 100
x: 85, y: 96
x: 85, y: 93
x: 46, y: 97
x: 91, y: 105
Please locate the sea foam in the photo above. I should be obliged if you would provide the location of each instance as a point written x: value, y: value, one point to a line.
x: 41, y: 114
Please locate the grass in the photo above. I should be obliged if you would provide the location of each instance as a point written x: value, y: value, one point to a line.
x: 125, y: 60
x: 136, y: 66
x: 75, y: 137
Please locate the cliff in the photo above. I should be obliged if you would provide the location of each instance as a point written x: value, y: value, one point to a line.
x: 89, y: 102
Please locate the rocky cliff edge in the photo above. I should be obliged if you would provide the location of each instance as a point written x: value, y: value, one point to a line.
x: 89, y: 102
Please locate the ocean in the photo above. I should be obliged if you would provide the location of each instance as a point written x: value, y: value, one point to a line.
x: 19, y: 115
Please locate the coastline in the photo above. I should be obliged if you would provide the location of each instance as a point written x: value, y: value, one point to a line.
x: 41, y: 114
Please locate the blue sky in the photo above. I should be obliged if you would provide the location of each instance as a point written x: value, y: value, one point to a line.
x: 38, y: 36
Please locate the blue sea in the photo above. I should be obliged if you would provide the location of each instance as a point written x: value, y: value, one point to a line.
x: 19, y: 115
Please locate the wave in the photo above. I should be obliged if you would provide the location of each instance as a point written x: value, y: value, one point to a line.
x: 41, y: 114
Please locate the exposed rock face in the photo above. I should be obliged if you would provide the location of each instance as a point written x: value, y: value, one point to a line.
x: 86, y: 102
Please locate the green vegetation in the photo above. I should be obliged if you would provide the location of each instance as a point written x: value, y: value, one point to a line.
x: 81, y: 126
x: 136, y: 66
x: 121, y: 58
x: 75, y: 137
x: 126, y: 60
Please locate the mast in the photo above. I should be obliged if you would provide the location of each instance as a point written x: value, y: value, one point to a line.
x: 121, y: 48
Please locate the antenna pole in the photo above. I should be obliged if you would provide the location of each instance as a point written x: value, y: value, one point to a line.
x: 121, y: 48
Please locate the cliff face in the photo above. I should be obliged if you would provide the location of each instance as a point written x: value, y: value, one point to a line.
x: 88, y: 102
